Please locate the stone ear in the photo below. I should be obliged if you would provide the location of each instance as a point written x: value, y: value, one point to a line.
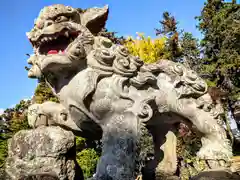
x: 94, y: 18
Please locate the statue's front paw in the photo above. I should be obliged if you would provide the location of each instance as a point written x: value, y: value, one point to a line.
x: 216, y: 156
x: 42, y: 120
x: 212, y: 152
x: 218, y: 164
x: 36, y: 117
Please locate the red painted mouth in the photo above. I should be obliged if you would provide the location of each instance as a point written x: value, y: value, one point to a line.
x: 56, y: 52
x: 56, y: 43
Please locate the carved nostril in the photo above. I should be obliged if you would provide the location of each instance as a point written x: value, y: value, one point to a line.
x: 48, y: 23
x: 29, y: 61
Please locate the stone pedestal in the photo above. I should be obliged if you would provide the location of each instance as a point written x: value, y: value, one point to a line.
x: 216, y: 175
x: 42, y: 153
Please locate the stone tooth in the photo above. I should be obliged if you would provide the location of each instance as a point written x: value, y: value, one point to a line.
x: 38, y: 50
x: 66, y: 34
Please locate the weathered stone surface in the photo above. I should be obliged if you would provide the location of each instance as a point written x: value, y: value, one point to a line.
x: 216, y: 175
x: 235, y: 167
x: 4, y: 175
x: 42, y: 153
x: 100, y: 84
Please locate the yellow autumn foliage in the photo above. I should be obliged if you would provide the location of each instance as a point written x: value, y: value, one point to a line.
x: 149, y: 50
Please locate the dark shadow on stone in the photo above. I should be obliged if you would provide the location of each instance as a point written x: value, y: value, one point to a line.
x: 71, y: 155
x: 40, y: 177
x: 216, y: 175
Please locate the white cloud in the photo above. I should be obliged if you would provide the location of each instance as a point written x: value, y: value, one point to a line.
x: 12, y: 106
x: 1, y: 111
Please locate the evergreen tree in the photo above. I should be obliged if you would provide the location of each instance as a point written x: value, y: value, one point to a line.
x: 43, y: 93
x: 190, y: 48
x: 219, y: 23
x: 169, y: 28
x: 112, y: 36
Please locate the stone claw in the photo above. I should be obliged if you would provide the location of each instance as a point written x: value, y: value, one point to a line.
x: 42, y: 120
x: 222, y: 163
x: 213, y: 164
x: 39, y: 116
x: 218, y: 164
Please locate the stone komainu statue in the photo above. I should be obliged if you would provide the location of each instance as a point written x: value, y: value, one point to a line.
x: 106, y: 92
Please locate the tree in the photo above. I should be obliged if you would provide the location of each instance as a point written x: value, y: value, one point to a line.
x: 112, y: 36
x: 88, y: 153
x: 43, y: 93
x: 190, y: 51
x: 3, y: 143
x: 219, y: 23
x: 12, y: 120
x: 169, y: 28
x: 180, y: 46
x: 149, y: 50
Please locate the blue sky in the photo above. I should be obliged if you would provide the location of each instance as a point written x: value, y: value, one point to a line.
x: 126, y: 17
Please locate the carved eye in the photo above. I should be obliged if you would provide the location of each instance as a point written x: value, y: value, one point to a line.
x: 61, y: 19
x: 63, y: 116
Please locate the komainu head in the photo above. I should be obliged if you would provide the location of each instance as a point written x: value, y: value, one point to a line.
x: 62, y: 36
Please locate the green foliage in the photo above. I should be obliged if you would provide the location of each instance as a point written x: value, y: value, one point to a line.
x: 219, y: 23
x: 18, y: 124
x: 15, y: 120
x: 44, y: 93
x: 3, y: 145
x: 190, y: 50
x: 145, y: 149
x: 80, y: 143
x: 170, y: 30
x: 189, y: 143
x: 112, y: 36
x: 87, y: 159
x: 179, y: 46
x: 3, y: 152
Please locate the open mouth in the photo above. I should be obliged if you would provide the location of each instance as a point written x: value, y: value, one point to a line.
x: 55, y: 43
